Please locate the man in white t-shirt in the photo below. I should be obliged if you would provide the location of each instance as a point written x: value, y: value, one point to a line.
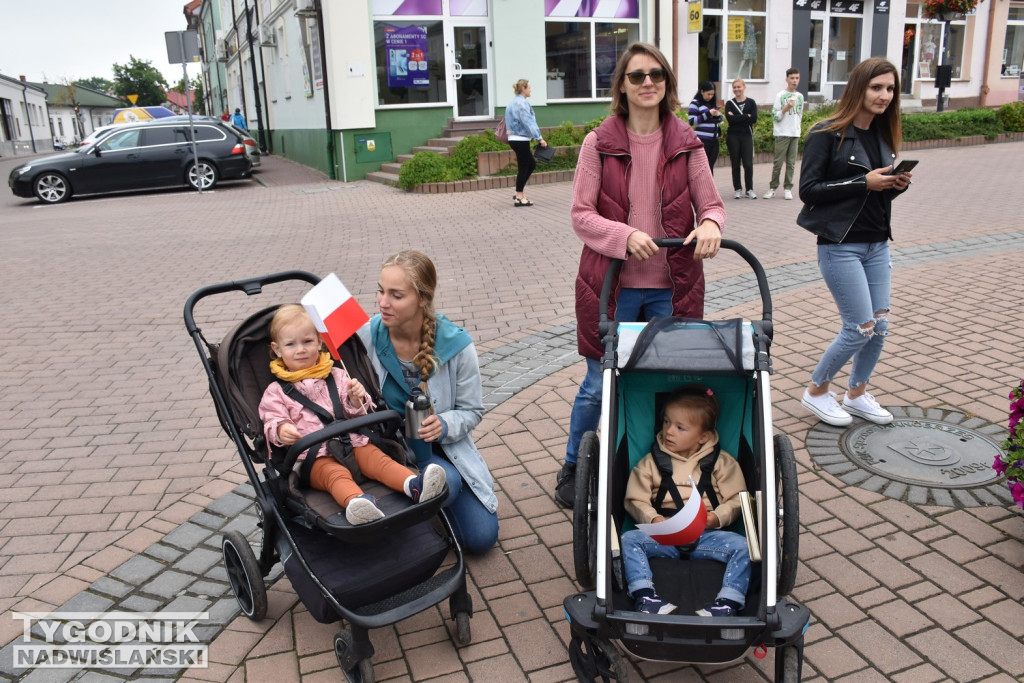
x: 787, y: 113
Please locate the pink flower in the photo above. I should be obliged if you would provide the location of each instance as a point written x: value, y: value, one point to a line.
x: 999, y: 466
x: 1017, y: 491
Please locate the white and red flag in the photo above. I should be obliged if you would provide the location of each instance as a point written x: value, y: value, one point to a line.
x: 685, y: 526
x: 335, y: 312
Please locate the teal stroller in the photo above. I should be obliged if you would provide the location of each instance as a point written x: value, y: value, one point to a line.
x: 642, y: 364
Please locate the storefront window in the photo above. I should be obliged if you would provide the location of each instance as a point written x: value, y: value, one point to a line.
x: 932, y: 41
x: 410, y: 62
x: 581, y: 57
x: 732, y: 43
x: 842, y: 47
x: 1013, y: 45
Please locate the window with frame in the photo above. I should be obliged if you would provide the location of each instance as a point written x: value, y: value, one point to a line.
x: 582, y: 53
x: 732, y: 44
x: 410, y: 61
x: 1013, y: 43
x: 934, y: 39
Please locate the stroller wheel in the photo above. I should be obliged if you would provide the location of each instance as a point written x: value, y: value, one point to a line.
x: 789, y: 660
x: 788, y: 506
x: 463, y: 629
x: 244, y: 575
x: 360, y: 671
x: 595, y: 659
x: 584, y: 512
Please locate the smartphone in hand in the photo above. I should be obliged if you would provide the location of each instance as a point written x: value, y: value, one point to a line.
x: 903, y: 167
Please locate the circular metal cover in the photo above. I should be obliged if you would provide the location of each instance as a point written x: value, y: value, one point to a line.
x: 925, y: 457
x: 922, y: 451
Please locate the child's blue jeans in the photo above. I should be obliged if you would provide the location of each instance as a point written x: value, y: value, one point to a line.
x: 713, y: 544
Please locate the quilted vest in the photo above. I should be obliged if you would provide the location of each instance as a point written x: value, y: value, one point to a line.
x: 677, y: 215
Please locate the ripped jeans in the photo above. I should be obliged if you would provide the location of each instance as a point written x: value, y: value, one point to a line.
x: 860, y: 279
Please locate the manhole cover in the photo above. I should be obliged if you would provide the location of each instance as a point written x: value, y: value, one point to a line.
x: 926, y: 457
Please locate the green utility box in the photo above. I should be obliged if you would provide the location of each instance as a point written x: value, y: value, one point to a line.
x: 373, y: 147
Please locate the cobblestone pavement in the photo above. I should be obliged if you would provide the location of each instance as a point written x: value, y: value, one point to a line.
x: 116, y: 481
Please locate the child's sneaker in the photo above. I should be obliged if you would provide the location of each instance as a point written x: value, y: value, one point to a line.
x: 653, y: 605
x: 427, y: 484
x: 720, y: 608
x: 362, y: 509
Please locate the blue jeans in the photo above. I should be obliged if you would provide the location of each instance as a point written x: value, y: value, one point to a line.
x: 713, y: 544
x: 860, y: 279
x: 476, y: 527
x: 632, y: 305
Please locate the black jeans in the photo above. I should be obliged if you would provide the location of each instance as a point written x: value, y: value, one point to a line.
x: 524, y: 160
x: 741, y: 150
x: 711, y: 149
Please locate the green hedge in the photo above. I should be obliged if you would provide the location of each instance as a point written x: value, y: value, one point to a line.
x: 429, y: 167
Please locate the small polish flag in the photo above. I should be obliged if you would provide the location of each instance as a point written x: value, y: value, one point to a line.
x: 335, y: 313
x: 685, y: 526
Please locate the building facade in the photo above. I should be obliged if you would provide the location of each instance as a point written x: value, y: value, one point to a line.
x: 346, y: 85
x: 74, y: 111
x: 24, y: 124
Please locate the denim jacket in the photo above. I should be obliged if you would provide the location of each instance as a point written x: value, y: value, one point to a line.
x: 456, y: 396
x: 519, y: 119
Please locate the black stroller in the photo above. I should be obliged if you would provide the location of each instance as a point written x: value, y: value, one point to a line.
x: 370, y: 575
x: 642, y: 363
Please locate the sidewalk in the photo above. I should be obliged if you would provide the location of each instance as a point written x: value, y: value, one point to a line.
x: 116, y: 480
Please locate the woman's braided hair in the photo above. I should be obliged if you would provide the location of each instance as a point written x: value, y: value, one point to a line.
x: 422, y: 275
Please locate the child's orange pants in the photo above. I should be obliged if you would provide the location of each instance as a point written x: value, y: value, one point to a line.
x: 327, y: 474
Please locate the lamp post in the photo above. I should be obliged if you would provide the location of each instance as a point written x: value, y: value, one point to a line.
x: 944, y: 74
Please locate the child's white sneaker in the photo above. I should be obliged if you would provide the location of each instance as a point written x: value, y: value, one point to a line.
x: 426, y: 485
x: 362, y: 509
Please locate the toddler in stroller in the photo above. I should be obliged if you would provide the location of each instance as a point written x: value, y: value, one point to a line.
x: 686, y: 444
x: 310, y: 392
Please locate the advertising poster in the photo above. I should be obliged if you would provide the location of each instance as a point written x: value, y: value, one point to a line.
x: 406, y: 53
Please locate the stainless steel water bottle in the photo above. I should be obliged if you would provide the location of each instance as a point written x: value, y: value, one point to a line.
x: 417, y: 409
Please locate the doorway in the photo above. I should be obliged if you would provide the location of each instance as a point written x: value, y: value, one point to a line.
x: 907, y: 64
x: 469, y: 80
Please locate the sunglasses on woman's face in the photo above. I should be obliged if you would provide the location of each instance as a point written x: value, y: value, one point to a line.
x: 637, y: 77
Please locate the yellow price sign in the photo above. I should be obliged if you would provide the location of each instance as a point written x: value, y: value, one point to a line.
x: 736, y: 30
x: 695, y: 17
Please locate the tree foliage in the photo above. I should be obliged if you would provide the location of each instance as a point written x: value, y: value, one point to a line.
x: 140, y: 78
x: 198, y: 105
x: 97, y: 83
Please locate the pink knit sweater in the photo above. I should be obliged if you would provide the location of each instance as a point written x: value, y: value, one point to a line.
x: 609, y: 237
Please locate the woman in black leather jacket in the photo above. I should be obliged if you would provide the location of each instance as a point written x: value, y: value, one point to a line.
x: 847, y: 194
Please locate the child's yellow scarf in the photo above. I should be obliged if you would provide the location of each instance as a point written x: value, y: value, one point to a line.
x: 318, y: 371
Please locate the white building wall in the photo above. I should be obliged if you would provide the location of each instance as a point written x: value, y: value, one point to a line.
x: 348, y: 56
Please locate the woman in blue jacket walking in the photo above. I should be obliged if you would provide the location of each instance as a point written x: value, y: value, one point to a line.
x: 522, y: 129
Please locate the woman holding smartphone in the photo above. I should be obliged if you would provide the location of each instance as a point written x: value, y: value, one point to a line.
x: 847, y: 190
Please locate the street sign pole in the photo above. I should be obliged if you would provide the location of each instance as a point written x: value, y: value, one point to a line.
x: 172, y: 37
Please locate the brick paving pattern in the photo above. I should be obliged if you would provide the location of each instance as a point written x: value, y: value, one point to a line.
x: 117, y: 480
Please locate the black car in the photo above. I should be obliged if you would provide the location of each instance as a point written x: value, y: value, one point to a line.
x: 136, y: 156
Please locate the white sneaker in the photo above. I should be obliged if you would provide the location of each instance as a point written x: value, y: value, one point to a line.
x: 361, y: 510
x: 826, y: 408
x: 738, y: 195
x: 788, y: 194
x: 867, y: 407
x: 769, y: 194
x: 751, y: 194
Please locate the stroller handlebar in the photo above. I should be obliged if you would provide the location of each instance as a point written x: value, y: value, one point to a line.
x: 676, y: 243
x: 250, y: 286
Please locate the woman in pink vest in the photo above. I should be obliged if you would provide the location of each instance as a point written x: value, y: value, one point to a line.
x: 642, y: 174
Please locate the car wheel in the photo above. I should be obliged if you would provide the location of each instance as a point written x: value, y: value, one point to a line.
x: 51, y: 188
x: 204, y: 172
